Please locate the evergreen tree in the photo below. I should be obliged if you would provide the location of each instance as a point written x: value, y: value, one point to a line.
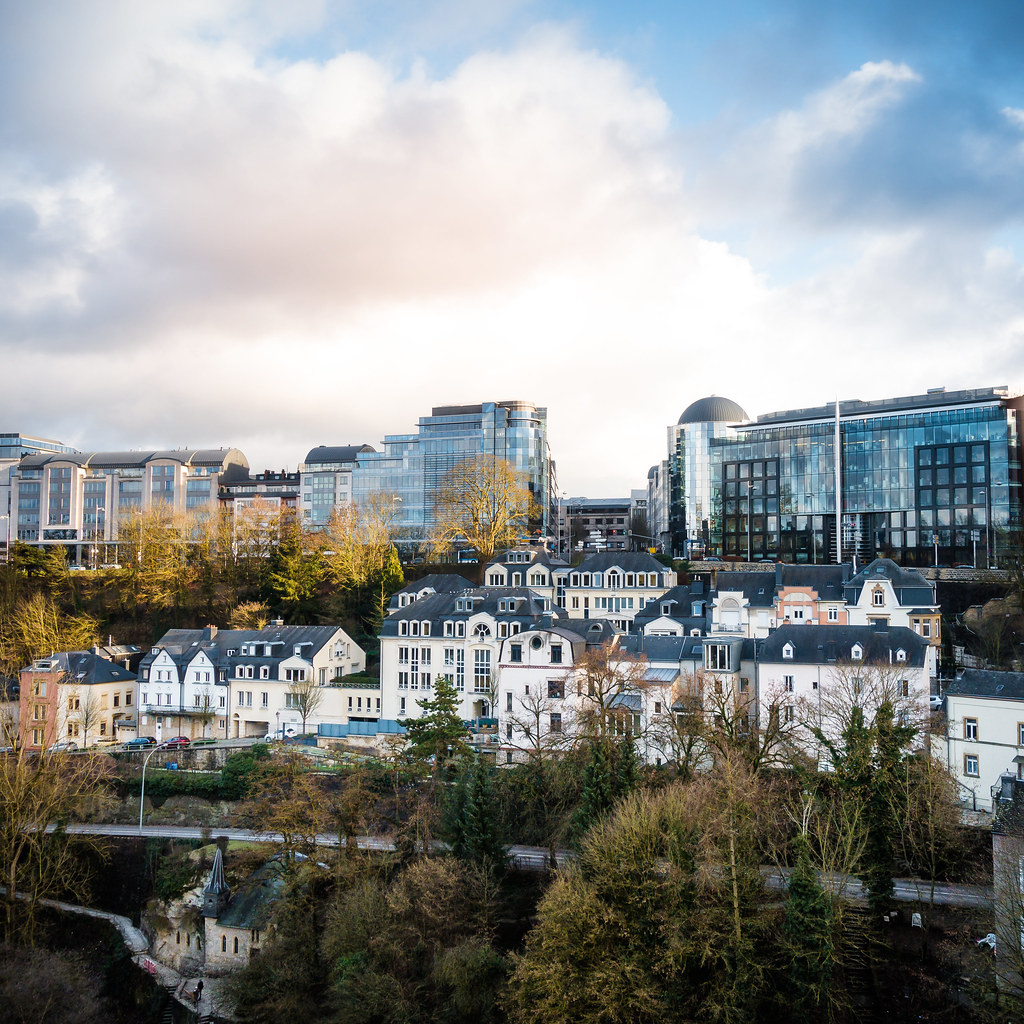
x: 440, y: 731
x: 807, y: 932
x: 627, y: 768
x: 473, y: 818
x: 884, y: 822
x: 598, y: 788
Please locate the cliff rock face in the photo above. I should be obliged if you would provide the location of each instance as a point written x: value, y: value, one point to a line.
x: 176, y: 931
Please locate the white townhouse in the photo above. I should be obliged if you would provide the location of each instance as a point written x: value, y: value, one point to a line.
x: 885, y: 594
x: 231, y: 683
x: 681, y: 611
x: 537, y: 704
x: 456, y: 634
x: 528, y: 567
x: 614, y: 586
x: 809, y: 674
x: 985, y: 733
x: 744, y: 603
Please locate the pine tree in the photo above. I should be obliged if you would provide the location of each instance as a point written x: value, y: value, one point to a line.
x: 473, y: 821
x: 807, y: 932
x: 440, y: 731
x: 627, y: 768
x: 598, y: 788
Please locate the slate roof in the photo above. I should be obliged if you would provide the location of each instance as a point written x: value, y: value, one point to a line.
x: 325, y: 453
x: 183, y: 644
x: 437, y: 608
x: 89, y: 669
x: 214, y: 457
x: 252, y: 906
x: 663, y: 649
x: 977, y: 682
x: 681, y: 598
x: 826, y: 580
x: 627, y: 561
x: 439, y: 582
x: 757, y: 587
x: 540, y: 557
x: 816, y: 645
x: 910, y: 586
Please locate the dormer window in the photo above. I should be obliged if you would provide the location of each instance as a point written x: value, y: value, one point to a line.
x: 495, y: 580
x: 460, y: 629
x: 666, y: 609
x: 414, y: 628
x: 449, y: 628
x: 878, y: 597
x: 403, y: 628
x: 425, y: 628
x: 901, y: 655
x: 857, y: 653
x: 517, y: 579
x: 787, y: 651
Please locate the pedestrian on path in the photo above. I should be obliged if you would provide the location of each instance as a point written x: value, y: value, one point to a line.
x: 199, y: 992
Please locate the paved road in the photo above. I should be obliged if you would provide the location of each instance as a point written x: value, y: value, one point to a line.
x: 534, y: 858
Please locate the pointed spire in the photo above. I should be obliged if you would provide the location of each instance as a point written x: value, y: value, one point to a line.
x: 216, y: 893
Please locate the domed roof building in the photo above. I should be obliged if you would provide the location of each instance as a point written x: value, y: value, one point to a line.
x: 713, y: 409
x: 684, y: 509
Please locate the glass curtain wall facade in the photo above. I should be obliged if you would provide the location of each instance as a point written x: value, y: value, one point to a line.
x: 413, y: 466
x: 930, y: 479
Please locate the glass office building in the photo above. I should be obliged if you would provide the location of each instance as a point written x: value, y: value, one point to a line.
x: 413, y: 466
x: 926, y: 479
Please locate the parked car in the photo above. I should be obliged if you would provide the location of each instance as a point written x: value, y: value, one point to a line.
x: 177, y: 741
x: 140, y: 743
x: 62, y: 747
x: 935, y: 702
x: 76, y: 568
x: 284, y: 733
x: 712, y: 558
x: 106, y: 742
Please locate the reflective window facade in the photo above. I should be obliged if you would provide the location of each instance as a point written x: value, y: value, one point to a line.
x: 927, y: 479
x: 412, y: 466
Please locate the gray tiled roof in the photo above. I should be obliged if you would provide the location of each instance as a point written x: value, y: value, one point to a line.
x: 814, y: 644
x: 436, y: 608
x: 910, y: 586
x: 627, y: 561
x: 183, y: 644
x: 757, y: 587
x: 976, y: 682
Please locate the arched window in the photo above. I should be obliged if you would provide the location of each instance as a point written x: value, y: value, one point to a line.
x: 236, y: 943
x: 223, y: 943
x: 481, y: 630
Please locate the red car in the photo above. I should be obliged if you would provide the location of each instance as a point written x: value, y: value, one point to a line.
x: 177, y: 741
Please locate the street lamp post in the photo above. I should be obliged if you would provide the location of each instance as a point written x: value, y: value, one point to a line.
x: 142, y: 790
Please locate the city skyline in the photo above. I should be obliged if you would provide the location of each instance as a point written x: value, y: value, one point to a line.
x: 231, y: 224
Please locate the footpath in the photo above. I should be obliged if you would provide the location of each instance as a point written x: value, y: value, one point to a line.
x: 213, y: 1001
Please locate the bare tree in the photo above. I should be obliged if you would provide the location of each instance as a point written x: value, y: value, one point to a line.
x: 84, y: 710
x: 206, y: 709
x: 677, y: 728
x: 531, y: 725
x: 487, y: 502
x: 36, y: 627
x: 35, y: 792
x: 249, y: 615
x: 610, y: 686
x: 305, y: 695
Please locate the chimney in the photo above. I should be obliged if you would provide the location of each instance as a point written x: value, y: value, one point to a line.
x: 209, y: 632
x: 277, y: 622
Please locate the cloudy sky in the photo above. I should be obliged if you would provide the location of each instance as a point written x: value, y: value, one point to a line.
x: 275, y: 225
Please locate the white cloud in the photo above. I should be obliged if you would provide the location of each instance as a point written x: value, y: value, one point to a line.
x: 241, y: 247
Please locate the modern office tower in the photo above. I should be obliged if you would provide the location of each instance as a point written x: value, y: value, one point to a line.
x: 413, y: 466
x: 13, y: 447
x: 76, y: 499
x: 326, y: 477
x: 690, y: 506
x: 925, y: 479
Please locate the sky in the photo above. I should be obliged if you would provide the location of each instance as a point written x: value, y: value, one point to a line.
x: 276, y: 225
